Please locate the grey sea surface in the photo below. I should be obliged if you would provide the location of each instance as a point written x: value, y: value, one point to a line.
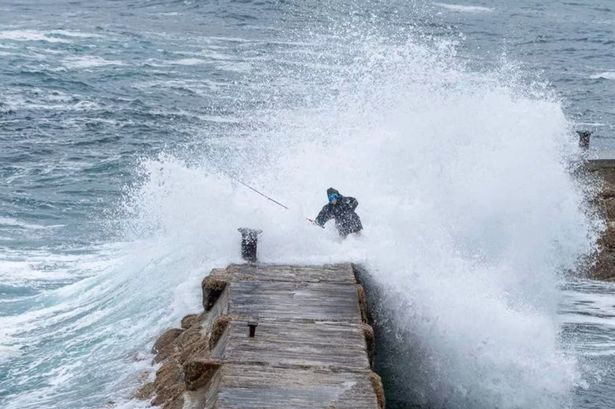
x: 89, y: 90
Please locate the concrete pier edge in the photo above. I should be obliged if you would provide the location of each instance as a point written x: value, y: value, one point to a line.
x: 271, y: 336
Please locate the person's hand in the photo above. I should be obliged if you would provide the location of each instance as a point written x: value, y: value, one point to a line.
x: 314, y: 222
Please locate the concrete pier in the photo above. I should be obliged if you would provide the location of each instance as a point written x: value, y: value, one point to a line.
x: 271, y: 336
x: 601, y: 161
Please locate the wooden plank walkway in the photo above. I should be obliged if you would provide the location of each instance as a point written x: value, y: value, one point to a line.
x: 311, y: 347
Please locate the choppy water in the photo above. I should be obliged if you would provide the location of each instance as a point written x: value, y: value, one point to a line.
x: 452, y: 124
x: 570, y: 43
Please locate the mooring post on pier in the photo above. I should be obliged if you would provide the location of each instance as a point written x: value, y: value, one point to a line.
x: 252, y: 325
x: 249, y: 241
x: 584, y: 139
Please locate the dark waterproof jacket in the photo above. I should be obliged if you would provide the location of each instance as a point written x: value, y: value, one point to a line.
x: 346, y: 220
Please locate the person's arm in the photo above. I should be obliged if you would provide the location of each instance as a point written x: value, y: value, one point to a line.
x: 324, y: 216
x: 351, y: 202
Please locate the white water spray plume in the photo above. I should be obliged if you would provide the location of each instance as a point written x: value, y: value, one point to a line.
x: 470, y: 210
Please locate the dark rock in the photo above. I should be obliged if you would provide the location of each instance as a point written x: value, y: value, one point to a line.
x: 169, y: 384
x: 378, y: 389
x: 166, y: 352
x: 220, y: 325
x: 146, y: 391
x: 192, y: 342
x: 609, y: 207
x: 605, y: 266
x: 198, y: 373
x: 363, y: 303
x: 212, y: 289
x: 165, y: 339
x: 190, y: 320
x: 608, y: 236
x: 370, y: 342
x: 174, y: 400
x: 608, y: 190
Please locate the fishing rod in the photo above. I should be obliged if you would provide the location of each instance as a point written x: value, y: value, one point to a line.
x: 261, y: 193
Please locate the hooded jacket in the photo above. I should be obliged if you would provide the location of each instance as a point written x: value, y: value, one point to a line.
x: 346, y: 220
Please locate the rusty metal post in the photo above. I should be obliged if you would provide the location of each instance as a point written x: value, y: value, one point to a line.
x: 252, y: 325
x: 249, y: 241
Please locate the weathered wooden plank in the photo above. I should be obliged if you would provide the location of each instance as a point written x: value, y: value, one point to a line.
x: 331, y: 273
x: 286, y: 344
x: 294, y: 301
x: 262, y: 387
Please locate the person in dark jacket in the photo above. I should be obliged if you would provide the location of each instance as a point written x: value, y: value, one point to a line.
x: 342, y: 209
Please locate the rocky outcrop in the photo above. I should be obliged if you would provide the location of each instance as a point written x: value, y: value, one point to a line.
x: 185, y: 353
x: 604, y: 268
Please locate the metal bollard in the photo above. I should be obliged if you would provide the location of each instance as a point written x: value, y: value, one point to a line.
x: 249, y: 240
x: 584, y: 138
x: 252, y: 325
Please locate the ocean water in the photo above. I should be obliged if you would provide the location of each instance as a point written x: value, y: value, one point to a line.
x: 124, y: 124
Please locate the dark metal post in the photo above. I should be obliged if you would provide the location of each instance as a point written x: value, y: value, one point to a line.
x: 252, y: 325
x: 249, y: 239
x: 584, y: 138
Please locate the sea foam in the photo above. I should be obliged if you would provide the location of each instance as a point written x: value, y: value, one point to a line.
x: 470, y: 213
x: 464, y: 9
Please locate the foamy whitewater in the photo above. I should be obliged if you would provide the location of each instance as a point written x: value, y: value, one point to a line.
x: 464, y: 178
x: 463, y: 8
